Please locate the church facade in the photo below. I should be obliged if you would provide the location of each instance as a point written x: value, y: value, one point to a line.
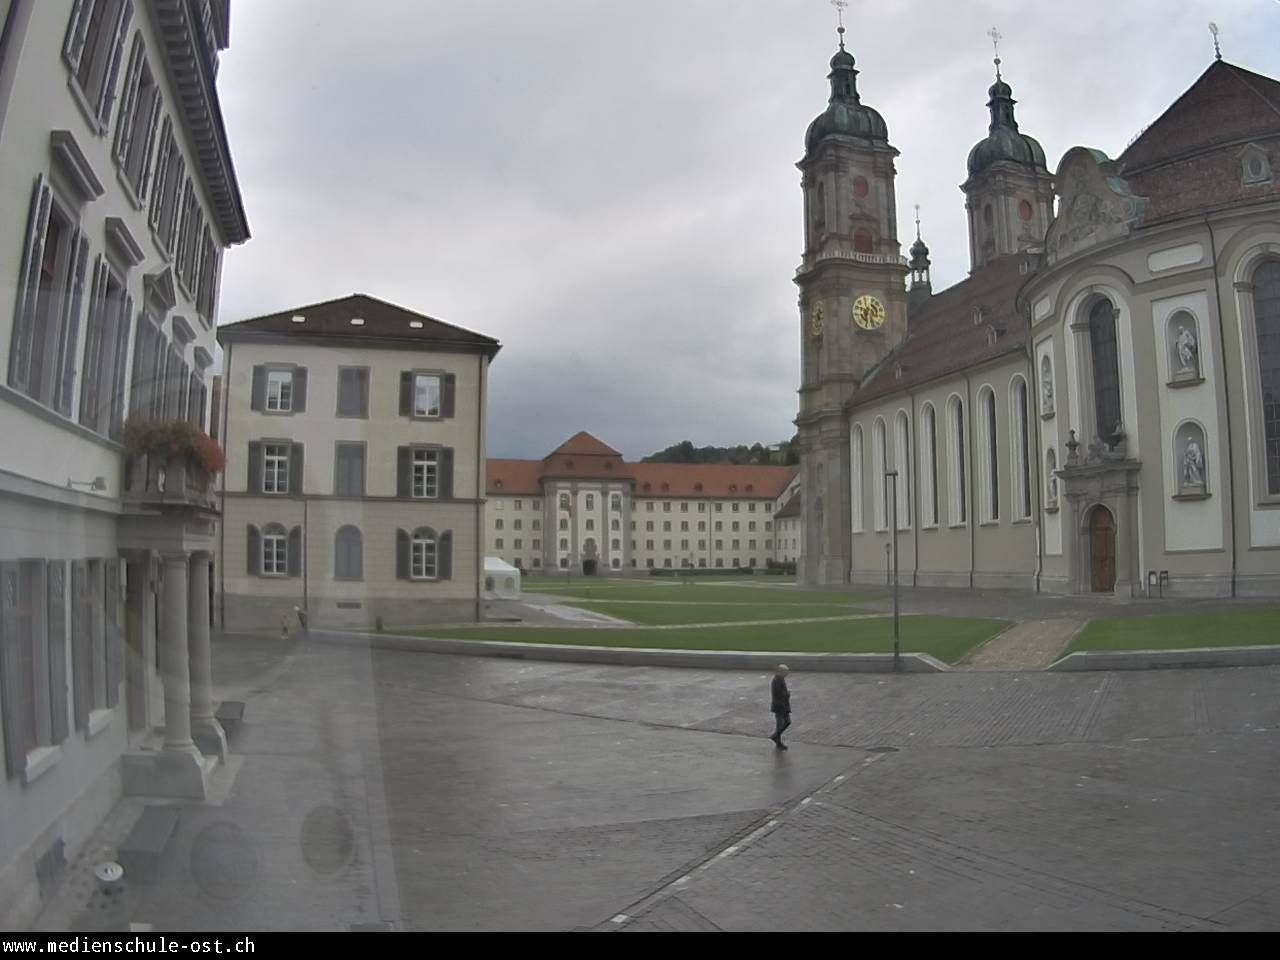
x: 1096, y: 407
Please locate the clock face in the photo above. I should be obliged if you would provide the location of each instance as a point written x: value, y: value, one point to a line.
x: 817, y: 321
x: 868, y: 313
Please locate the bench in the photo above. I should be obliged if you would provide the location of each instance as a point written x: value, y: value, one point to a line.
x: 142, y: 850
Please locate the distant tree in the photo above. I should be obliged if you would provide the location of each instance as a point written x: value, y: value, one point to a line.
x: 781, y: 454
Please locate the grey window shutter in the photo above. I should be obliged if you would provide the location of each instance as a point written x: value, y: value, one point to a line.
x: 94, y: 336
x: 406, y: 393
x: 81, y: 643
x: 15, y: 732
x: 71, y: 325
x: 57, y: 631
x: 362, y: 385
x: 446, y: 473
x: 356, y: 557
x: 258, y: 396
x: 153, y: 126
x: 113, y: 71
x: 300, y: 390
x: 295, y: 468
x: 402, y: 555
x: 129, y: 105
x: 444, y: 564
x: 253, y: 552
x: 403, y: 468
x: 295, y: 552
x: 28, y: 285
x: 255, y: 467
x: 450, y: 388
x: 115, y: 631
x: 357, y: 471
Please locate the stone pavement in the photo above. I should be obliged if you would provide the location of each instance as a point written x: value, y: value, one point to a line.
x: 384, y: 789
x: 1027, y: 645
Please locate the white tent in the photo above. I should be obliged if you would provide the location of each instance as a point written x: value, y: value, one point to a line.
x: 501, y: 580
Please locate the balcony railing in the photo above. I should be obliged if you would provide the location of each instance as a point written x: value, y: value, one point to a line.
x: 811, y: 260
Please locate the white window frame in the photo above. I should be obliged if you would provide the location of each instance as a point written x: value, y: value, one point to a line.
x: 279, y: 390
x: 879, y: 464
x: 424, y: 474
x: 424, y: 558
x: 420, y: 382
x: 275, y: 467
x: 275, y: 554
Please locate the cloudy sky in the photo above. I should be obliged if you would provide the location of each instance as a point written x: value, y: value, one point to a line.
x: 610, y: 189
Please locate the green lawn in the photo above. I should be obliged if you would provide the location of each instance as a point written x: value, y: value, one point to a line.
x: 748, y: 592
x: 947, y: 638
x: 668, y: 613
x: 1240, y: 629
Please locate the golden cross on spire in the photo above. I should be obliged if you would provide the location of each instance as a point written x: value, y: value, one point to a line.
x: 1217, y: 49
x: 840, y: 5
x: 996, y: 36
x: 917, y: 221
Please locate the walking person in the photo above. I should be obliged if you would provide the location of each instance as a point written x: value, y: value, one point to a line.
x: 780, y: 704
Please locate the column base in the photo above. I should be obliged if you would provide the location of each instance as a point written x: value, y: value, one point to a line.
x: 209, y: 737
x: 172, y: 774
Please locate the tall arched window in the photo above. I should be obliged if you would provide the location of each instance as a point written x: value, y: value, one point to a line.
x: 879, y: 462
x: 348, y: 554
x: 929, y: 471
x: 902, y: 463
x: 958, y: 510
x: 989, y: 491
x: 1266, y: 311
x: 855, y: 478
x: 1020, y: 448
x: 1106, y: 369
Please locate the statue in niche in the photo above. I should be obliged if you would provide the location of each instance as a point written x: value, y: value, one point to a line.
x: 1046, y: 393
x: 1188, y: 352
x: 1193, y: 464
x: 1053, y: 489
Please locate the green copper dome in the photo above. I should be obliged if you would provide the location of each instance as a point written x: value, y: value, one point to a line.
x: 1004, y: 142
x: 846, y: 115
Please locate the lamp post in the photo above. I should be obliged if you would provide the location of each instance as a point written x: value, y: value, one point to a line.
x: 891, y: 481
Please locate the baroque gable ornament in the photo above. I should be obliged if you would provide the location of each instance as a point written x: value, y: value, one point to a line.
x: 1096, y: 204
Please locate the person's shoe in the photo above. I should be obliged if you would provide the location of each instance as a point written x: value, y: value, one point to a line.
x: 774, y: 738
x: 781, y: 745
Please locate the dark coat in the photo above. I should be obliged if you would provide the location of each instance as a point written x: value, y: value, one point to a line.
x: 781, y: 700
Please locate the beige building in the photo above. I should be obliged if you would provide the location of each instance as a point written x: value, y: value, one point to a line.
x: 1096, y: 408
x: 355, y: 444
x: 583, y: 503
x: 117, y: 199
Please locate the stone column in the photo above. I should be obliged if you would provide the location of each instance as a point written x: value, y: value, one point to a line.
x: 140, y: 630
x: 205, y: 728
x: 174, y: 659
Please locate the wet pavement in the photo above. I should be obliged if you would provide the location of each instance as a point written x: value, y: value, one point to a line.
x: 378, y: 789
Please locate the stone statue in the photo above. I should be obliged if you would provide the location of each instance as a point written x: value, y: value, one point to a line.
x: 1187, y: 350
x: 1046, y: 394
x: 1053, y: 489
x: 1193, y: 464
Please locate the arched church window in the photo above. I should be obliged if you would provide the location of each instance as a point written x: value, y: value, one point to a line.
x: 879, y: 464
x: 855, y: 478
x: 860, y: 187
x: 1106, y: 370
x: 930, y: 473
x: 989, y: 443
x: 1025, y: 211
x: 1266, y: 311
x: 1020, y: 448
x: 956, y: 462
x: 902, y: 463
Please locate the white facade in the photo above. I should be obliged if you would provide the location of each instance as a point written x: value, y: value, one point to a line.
x: 114, y: 225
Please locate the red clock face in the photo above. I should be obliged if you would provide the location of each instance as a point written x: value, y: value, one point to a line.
x: 860, y: 187
x: 1025, y: 211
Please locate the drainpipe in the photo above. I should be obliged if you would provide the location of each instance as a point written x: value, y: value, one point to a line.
x: 480, y: 492
x: 1226, y: 395
x: 1033, y: 411
x: 968, y: 487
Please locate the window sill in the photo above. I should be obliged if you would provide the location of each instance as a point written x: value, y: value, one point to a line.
x: 99, y: 720
x: 348, y: 579
x: 1021, y: 521
x: 1184, y: 382
x: 929, y: 526
x: 957, y: 526
x: 989, y: 523
x: 1051, y: 508
x: 1046, y: 414
x: 276, y: 413
x: 39, y: 762
x: 1201, y: 495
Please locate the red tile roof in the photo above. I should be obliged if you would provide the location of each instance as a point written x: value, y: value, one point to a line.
x: 585, y: 457
x: 974, y: 321
x: 1188, y: 160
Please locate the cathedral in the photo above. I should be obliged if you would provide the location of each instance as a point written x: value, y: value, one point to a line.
x: 1096, y: 407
